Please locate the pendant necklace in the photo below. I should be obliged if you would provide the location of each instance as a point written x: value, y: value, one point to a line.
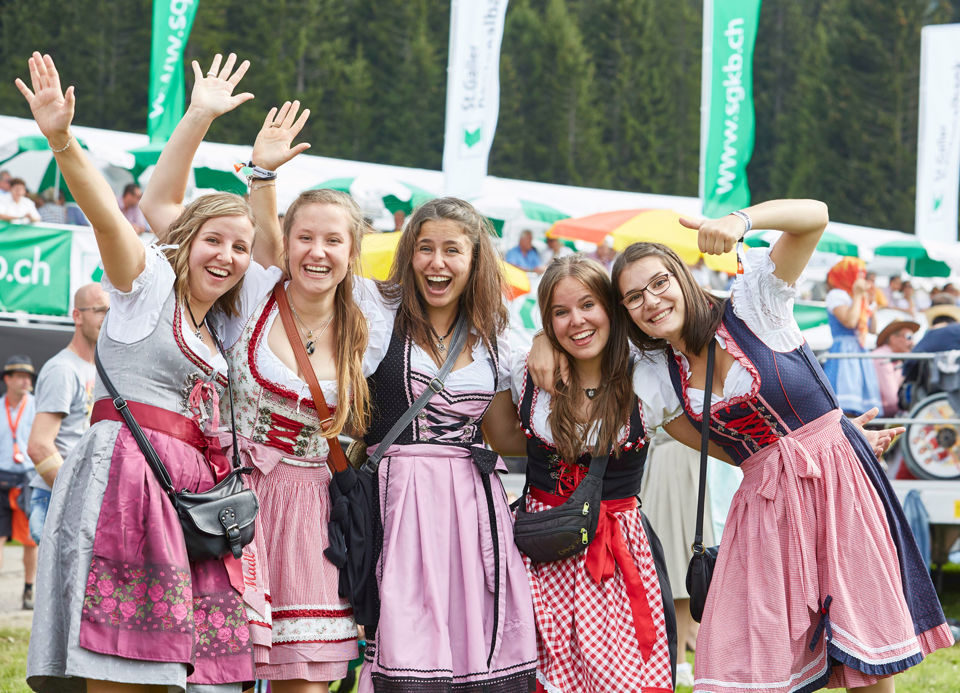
x: 311, y: 341
x: 441, y: 347
x: 590, y: 392
x: 196, y: 327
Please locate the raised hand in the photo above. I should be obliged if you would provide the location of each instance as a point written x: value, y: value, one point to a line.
x: 273, y: 147
x: 51, y: 107
x: 716, y: 236
x: 213, y: 93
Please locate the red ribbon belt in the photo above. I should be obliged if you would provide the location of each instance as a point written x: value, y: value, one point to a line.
x: 169, y: 423
x: 607, y: 550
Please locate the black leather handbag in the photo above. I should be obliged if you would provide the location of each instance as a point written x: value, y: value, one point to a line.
x: 700, y: 569
x: 216, y: 522
x: 567, y: 529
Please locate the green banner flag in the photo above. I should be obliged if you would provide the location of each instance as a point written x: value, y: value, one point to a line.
x: 727, y: 117
x: 172, y: 20
x: 34, y: 269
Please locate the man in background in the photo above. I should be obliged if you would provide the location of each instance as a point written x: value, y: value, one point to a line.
x: 524, y: 255
x: 15, y: 468
x: 64, y: 399
x: 130, y: 206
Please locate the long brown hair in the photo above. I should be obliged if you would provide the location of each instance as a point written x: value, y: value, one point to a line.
x: 702, y: 310
x: 482, y: 298
x: 184, y: 231
x: 349, y: 324
x: 615, y: 399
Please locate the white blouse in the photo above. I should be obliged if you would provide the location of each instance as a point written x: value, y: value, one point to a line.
x: 258, y: 283
x: 134, y: 314
x: 658, y: 402
x: 765, y: 303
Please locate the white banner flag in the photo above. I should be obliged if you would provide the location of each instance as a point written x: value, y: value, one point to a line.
x: 938, y: 145
x: 473, y: 93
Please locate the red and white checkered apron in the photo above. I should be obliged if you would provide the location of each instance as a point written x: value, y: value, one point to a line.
x: 807, y: 573
x: 587, y: 640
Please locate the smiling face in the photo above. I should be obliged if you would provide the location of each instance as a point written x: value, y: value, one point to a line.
x: 661, y: 317
x: 319, y: 247
x: 442, y: 259
x: 219, y: 256
x: 578, y: 320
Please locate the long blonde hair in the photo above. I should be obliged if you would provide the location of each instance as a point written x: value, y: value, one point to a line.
x: 349, y: 324
x: 482, y: 298
x: 184, y: 231
x: 615, y: 400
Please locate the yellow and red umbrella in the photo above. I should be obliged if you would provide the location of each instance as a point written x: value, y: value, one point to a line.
x: 628, y: 226
x: 378, y: 249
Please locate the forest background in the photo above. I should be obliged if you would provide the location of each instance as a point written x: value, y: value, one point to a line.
x: 597, y: 93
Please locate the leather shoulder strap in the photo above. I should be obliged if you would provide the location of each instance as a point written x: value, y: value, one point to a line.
x: 336, y: 460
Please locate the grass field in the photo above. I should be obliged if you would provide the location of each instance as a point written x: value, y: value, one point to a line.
x: 939, y: 673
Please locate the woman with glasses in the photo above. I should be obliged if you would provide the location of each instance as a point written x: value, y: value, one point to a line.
x: 615, y: 597
x: 818, y: 581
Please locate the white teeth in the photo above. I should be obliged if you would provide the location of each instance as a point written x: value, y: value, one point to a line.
x: 582, y: 335
x: 437, y: 278
x: 659, y: 316
x: 217, y: 271
x: 317, y: 270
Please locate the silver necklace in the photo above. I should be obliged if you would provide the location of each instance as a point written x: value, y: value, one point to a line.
x: 441, y: 347
x: 590, y: 392
x: 196, y: 327
x: 311, y: 340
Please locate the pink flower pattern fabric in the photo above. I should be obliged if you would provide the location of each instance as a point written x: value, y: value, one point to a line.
x: 159, y: 598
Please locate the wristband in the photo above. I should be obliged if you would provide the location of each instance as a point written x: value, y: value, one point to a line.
x: 258, y: 173
x: 746, y: 220
x: 256, y: 185
x: 51, y: 463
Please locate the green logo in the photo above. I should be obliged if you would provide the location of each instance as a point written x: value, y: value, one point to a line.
x: 937, y: 201
x: 471, y: 137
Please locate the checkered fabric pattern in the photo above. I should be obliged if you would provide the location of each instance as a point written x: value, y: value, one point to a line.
x: 586, y: 639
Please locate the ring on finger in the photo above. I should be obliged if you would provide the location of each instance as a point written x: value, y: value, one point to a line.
x: 211, y: 74
x: 275, y: 125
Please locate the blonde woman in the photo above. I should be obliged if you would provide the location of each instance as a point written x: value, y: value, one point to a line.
x: 119, y: 605
x: 303, y: 632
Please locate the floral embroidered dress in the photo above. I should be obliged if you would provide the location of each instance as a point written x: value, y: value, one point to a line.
x: 818, y: 573
x: 300, y: 627
x: 117, y: 598
x: 605, y: 618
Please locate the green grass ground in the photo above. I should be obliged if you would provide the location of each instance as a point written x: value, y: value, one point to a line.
x: 940, y: 672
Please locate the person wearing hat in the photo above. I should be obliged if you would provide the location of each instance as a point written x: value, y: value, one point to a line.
x: 895, y: 338
x: 15, y: 467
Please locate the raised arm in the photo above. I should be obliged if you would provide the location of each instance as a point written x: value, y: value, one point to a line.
x: 801, y: 221
x: 212, y: 96
x: 271, y: 150
x: 121, y: 251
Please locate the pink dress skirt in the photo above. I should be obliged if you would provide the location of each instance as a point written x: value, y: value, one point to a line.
x: 299, y: 625
x: 806, y: 530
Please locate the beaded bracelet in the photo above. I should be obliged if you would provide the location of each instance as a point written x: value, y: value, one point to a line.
x: 746, y: 220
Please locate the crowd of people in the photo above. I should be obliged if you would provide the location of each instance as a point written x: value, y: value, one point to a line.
x: 187, y: 330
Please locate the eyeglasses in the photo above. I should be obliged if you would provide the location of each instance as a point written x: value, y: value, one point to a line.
x: 655, y: 287
x: 99, y: 310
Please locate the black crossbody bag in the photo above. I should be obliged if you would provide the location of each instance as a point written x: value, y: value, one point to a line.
x: 216, y: 522
x: 567, y: 529
x: 700, y: 569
